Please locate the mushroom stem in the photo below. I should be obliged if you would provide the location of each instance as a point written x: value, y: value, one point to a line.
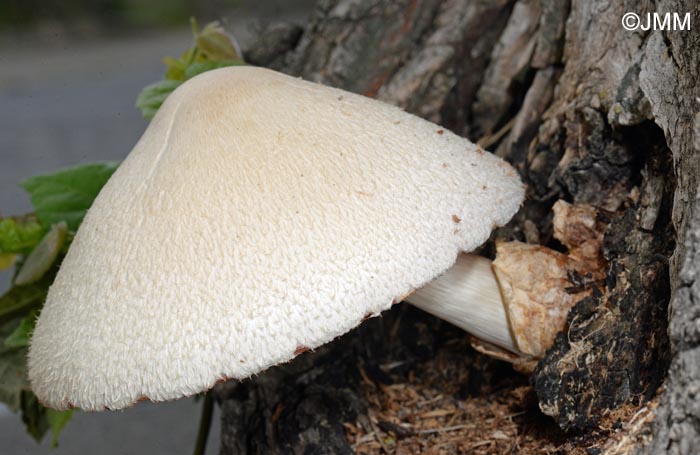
x: 469, y: 297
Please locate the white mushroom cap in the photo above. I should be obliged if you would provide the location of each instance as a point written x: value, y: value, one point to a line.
x: 259, y: 215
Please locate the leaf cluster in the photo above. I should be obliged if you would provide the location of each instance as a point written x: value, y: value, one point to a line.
x: 213, y: 48
x: 35, y: 244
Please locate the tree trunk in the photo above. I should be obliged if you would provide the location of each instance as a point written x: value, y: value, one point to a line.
x: 588, y: 112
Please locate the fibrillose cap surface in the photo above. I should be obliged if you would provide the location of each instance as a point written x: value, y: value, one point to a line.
x: 258, y: 215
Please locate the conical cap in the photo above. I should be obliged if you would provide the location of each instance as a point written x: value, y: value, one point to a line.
x: 258, y: 216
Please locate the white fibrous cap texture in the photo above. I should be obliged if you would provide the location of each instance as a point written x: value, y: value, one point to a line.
x: 259, y: 215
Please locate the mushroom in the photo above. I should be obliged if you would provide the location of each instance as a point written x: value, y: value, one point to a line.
x: 259, y: 216
x: 515, y: 306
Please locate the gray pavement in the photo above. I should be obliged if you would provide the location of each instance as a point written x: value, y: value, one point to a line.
x: 71, y: 103
x: 163, y: 428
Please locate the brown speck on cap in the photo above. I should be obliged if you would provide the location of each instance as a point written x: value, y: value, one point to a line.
x: 440, y: 131
x: 445, y: 165
x: 456, y: 219
x: 300, y: 350
x: 403, y: 297
x: 509, y: 169
x: 222, y: 379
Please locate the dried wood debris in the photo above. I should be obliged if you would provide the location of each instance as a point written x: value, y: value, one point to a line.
x: 425, y: 410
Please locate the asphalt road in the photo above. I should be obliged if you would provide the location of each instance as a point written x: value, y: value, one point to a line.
x: 67, y: 104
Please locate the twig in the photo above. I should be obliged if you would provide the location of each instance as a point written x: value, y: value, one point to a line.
x: 440, y: 430
x: 515, y: 414
x: 204, y: 424
x: 363, y: 375
x: 387, y: 367
x: 431, y: 400
x: 481, y: 443
x: 488, y: 141
x: 378, y: 435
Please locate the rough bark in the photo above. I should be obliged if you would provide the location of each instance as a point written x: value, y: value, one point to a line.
x: 677, y: 422
x: 588, y: 112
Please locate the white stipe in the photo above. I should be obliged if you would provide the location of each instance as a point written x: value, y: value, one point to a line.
x: 467, y: 296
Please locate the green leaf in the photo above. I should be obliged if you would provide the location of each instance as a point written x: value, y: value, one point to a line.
x: 202, y: 67
x: 215, y: 43
x: 19, y: 234
x: 66, y: 195
x: 33, y: 415
x: 38, y: 419
x: 61, y: 200
x: 15, y: 389
x: 175, y: 69
x: 7, y: 260
x: 13, y: 379
x: 19, y: 300
x: 22, y: 334
x: 43, y: 255
x: 15, y: 392
x: 57, y: 421
x: 152, y: 97
x: 213, y: 48
x: 194, y: 26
